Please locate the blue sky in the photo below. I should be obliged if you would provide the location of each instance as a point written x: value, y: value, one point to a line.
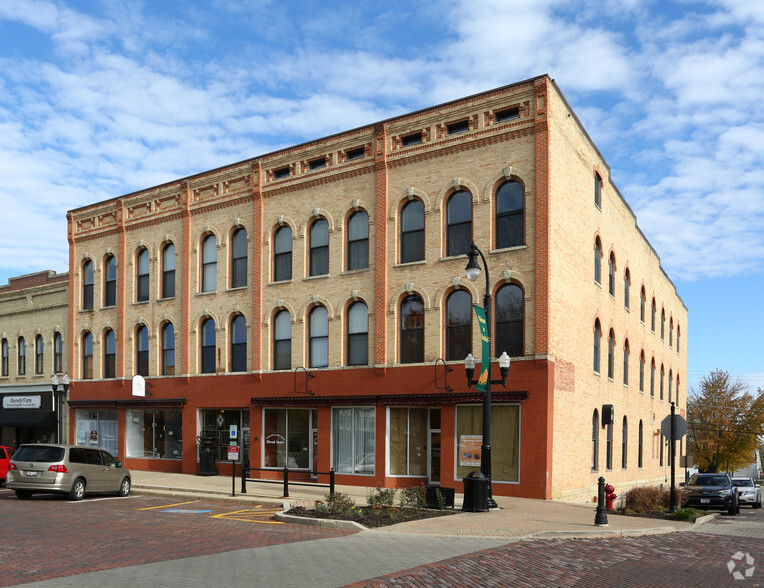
x: 102, y: 98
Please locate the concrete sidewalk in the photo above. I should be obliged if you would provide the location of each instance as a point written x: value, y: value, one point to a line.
x: 516, y: 518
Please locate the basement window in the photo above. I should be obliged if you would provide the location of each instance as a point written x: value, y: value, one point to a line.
x: 317, y: 163
x: 413, y: 139
x: 458, y: 127
x: 356, y: 153
x: 279, y: 174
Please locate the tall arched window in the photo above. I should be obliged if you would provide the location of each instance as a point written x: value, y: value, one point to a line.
x: 670, y: 381
x: 458, y: 223
x: 109, y: 354
x: 652, y: 377
x: 642, y: 371
x: 639, y: 453
x: 626, y: 286
x: 168, y: 271
x: 411, y: 330
x: 38, y: 354
x: 510, y: 315
x: 510, y: 229
x: 358, y: 241
x: 458, y: 325
x: 663, y: 324
x: 142, y: 351
x: 318, y: 335
x: 110, y: 281
x: 142, y: 275
x: 626, y: 362
x: 595, y: 440
x: 609, y: 447
x: 671, y: 331
x: 208, y: 347
x: 412, y: 231
x: 58, y: 353
x: 358, y: 334
x: 282, y: 254
x: 663, y: 375
x: 677, y: 390
x: 624, y: 443
x: 239, y: 258
x: 4, y: 368
x: 168, y: 349
x: 611, y: 275
x: 209, y: 263
x: 597, y: 190
x: 239, y: 344
x: 282, y: 341
x: 87, y: 356
x: 642, y: 304
x: 611, y: 355
x: 678, y: 334
x: 652, y: 316
x: 87, y: 285
x: 22, y: 356
x: 598, y: 260
x: 597, y: 338
x: 319, y: 247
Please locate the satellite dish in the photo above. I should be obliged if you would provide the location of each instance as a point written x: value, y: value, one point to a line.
x: 139, y: 386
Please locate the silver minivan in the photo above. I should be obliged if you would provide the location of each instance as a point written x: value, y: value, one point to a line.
x: 65, y: 469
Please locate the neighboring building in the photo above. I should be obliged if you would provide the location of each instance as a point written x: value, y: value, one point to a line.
x: 34, y: 315
x: 304, y: 296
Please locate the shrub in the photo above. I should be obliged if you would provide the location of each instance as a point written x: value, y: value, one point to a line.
x: 340, y: 503
x: 646, y: 499
x: 688, y: 514
x: 321, y: 508
x: 414, y: 496
x: 380, y: 496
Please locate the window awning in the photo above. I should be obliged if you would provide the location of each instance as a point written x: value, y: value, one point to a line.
x: 27, y: 418
x: 130, y: 403
x: 424, y: 399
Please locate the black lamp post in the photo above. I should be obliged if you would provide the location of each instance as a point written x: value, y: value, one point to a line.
x: 54, y: 381
x: 473, y: 271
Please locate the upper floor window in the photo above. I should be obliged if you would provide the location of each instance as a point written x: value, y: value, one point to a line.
x: 282, y: 341
x: 639, y: 452
x: 319, y: 247
x: 4, y: 368
x: 597, y: 190
x: 663, y: 324
x: 168, y: 271
x: 609, y: 446
x: 358, y: 334
x: 678, y: 334
x: 282, y: 254
x: 168, y: 349
x: 624, y: 442
x: 459, y: 223
x: 110, y: 281
x: 87, y: 285
x: 642, y: 371
x: 611, y: 355
x: 626, y: 362
x: 209, y: 263
x: 611, y: 275
x: 38, y: 354
x: 507, y: 114
x: 239, y: 258
x: 598, y: 260
x: 597, y: 338
x: 58, y: 353
x: 412, y: 139
x: 510, y: 318
x: 87, y: 356
x: 412, y: 231
x: 239, y: 344
x: 652, y: 316
x: 458, y: 325
x: 411, y: 330
x: 671, y: 331
x: 318, y: 337
x: 626, y: 286
x: 208, y: 347
x: 109, y: 354
x: 677, y: 390
x: 142, y: 351
x: 510, y: 229
x: 458, y: 127
x: 670, y: 382
x: 358, y: 241
x: 357, y: 153
x: 595, y: 440
x: 652, y: 377
x: 663, y: 375
x: 22, y: 356
x: 142, y: 275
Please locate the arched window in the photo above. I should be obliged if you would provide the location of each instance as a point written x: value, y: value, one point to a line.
x: 282, y: 254
x: 642, y: 304
x: 4, y: 369
x: 110, y: 281
x: 458, y: 223
x: 595, y: 440
x: 670, y: 381
x: 142, y: 351
x: 282, y: 341
x: 358, y: 334
x: 412, y: 231
x: 639, y: 452
x: 58, y: 353
x: 677, y: 390
x: 87, y: 356
x: 319, y: 247
x: 458, y: 325
x: 239, y: 258
x: 626, y: 362
x: 652, y: 377
x: 509, y: 327
x: 318, y: 335
x: 209, y: 263
x: 663, y: 374
x: 671, y: 331
x: 642, y: 371
x: 510, y: 228
x: 238, y: 344
x: 142, y: 275
x: 168, y: 349
x: 678, y: 334
x: 38, y: 354
x: 663, y: 324
x: 168, y: 271
x: 611, y: 275
x: 611, y: 355
x: 208, y: 349
x: 626, y: 286
x: 109, y: 354
x: 597, y: 337
x: 624, y: 443
x: 598, y: 260
x: 652, y: 316
x: 358, y: 241
x: 412, y: 330
x: 597, y: 190
x: 22, y: 356
x: 87, y: 285
x: 609, y: 447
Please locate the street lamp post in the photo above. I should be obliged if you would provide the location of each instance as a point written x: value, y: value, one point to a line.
x: 54, y: 382
x: 473, y: 271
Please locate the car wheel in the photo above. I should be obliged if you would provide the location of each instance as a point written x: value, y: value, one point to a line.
x: 124, y: 487
x: 23, y: 494
x: 78, y: 490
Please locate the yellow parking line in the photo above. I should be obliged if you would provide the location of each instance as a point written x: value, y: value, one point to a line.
x: 169, y: 505
x: 257, y: 513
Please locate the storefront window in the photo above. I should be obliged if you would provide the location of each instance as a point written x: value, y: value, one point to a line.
x: 287, y: 438
x: 505, y: 441
x: 97, y: 428
x: 154, y: 434
x: 353, y: 440
x: 408, y: 441
x: 216, y: 425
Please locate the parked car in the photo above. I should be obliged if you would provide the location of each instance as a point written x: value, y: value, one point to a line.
x: 748, y: 492
x: 6, y: 453
x: 710, y: 491
x: 66, y: 469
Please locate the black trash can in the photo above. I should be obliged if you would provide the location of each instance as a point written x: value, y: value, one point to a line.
x: 206, y: 457
x: 475, y: 492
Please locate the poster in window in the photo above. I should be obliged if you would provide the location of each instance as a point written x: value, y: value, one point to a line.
x: 469, y: 450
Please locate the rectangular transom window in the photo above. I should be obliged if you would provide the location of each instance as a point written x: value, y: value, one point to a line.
x: 412, y: 139
x: 281, y: 173
x: 356, y: 153
x: 507, y: 114
x: 458, y: 127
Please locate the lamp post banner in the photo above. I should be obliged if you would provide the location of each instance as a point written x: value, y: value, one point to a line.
x: 485, y: 360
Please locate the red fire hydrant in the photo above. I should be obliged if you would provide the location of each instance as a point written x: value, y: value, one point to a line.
x: 610, y: 495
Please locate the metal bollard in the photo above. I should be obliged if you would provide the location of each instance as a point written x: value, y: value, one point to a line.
x: 244, y: 472
x: 286, y: 482
x: 331, y: 482
x: 600, y: 519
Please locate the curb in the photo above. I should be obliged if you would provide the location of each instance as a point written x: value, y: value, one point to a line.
x: 215, y: 495
x: 329, y: 523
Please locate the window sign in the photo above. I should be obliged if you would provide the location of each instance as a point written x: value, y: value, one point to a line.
x: 469, y: 450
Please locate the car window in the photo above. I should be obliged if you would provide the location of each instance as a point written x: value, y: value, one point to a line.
x: 742, y: 482
x: 93, y: 456
x: 77, y: 455
x: 108, y: 459
x: 10, y: 452
x: 39, y: 453
x: 2, y: 453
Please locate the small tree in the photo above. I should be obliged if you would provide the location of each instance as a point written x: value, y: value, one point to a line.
x: 724, y: 422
